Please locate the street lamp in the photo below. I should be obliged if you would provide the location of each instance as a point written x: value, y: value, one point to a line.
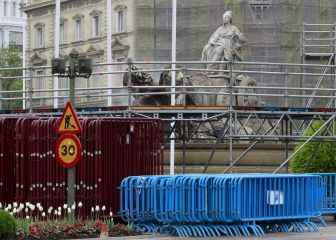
x: 78, y: 67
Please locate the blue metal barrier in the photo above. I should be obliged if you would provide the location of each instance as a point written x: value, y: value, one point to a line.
x: 329, y: 193
x: 222, y: 205
x: 287, y: 197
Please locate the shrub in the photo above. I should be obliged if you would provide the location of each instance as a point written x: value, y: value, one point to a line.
x: 7, y: 225
x: 316, y: 156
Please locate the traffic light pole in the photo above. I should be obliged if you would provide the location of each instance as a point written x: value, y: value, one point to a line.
x: 71, y: 196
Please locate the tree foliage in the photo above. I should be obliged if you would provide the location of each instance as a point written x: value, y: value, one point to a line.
x: 317, y: 156
x: 10, y: 58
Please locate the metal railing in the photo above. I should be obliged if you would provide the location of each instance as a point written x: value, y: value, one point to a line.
x: 216, y: 83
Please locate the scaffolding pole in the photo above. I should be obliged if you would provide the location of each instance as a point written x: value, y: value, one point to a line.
x: 56, y: 46
x: 173, y: 83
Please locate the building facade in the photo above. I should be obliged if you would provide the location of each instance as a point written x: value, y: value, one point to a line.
x: 11, y: 23
x: 83, y: 29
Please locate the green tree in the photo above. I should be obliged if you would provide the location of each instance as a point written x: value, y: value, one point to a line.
x: 11, y: 58
x: 316, y: 156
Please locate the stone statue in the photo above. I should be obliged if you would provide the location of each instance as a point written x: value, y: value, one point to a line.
x: 224, y: 44
x: 138, y: 77
x: 165, y: 80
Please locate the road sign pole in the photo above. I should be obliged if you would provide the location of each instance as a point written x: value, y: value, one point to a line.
x: 72, y: 171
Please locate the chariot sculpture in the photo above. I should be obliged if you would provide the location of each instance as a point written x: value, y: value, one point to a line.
x: 224, y: 45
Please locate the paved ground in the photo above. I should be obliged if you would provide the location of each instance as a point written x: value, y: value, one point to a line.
x: 325, y: 233
x: 328, y: 233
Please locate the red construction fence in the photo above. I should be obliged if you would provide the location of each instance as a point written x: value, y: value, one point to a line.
x: 112, y: 149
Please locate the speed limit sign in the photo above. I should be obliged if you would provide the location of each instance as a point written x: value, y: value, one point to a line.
x: 68, y: 150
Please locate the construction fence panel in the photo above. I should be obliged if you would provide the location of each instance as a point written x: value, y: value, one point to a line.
x: 112, y: 149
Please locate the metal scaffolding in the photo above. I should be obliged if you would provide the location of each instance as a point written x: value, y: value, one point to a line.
x: 319, y: 44
x: 299, y: 104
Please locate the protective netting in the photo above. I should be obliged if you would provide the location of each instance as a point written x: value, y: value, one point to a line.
x: 273, y: 29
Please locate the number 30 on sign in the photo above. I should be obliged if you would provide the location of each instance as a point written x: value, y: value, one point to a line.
x: 68, y: 150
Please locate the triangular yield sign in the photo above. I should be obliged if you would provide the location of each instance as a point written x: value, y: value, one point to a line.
x: 69, y: 122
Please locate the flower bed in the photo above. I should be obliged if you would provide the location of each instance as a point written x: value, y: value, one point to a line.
x: 33, y: 221
x: 66, y: 230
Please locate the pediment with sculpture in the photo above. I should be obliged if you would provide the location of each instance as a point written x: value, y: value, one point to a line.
x: 38, y: 60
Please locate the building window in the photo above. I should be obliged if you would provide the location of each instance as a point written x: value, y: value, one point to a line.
x: 21, y: 8
x: 95, y: 22
x: 5, y: 8
x: 13, y: 9
x: 78, y: 29
x: 39, y: 36
x: 62, y: 32
x: 2, y: 40
x: 63, y: 84
x: 15, y: 38
x: 40, y: 83
x: 95, y: 25
x: 121, y: 20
